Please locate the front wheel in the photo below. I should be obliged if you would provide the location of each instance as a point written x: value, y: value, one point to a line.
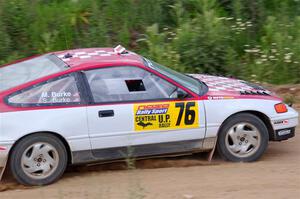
x: 38, y: 159
x: 242, y: 138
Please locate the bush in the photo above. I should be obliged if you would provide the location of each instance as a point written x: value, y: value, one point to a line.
x: 255, y: 40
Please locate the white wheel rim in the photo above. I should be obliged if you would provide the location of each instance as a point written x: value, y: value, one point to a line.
x: 39, y: 160
x: 243, y: 140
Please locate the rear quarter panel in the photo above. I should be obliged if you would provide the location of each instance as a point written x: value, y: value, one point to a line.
x: 70, y: 123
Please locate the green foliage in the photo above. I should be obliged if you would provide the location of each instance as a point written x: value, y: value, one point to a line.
x: 163, y: 53
x: 5, y: 42
x: 252, y: 39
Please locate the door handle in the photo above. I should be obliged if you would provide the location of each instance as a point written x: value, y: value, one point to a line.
x: 106, y: 113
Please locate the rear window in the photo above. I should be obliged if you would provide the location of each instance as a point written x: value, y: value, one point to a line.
x: 29, y: 70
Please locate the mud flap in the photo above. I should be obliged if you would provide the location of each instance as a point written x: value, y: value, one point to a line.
x: 2, y: 170
x: 211, y: 153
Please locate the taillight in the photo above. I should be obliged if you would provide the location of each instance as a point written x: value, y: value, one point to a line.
x: 280, y: 108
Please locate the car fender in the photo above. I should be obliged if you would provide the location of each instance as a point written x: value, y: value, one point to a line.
x: 217, y: 111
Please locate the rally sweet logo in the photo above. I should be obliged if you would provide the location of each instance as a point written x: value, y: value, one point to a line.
x: 163, y: 116
x: 147, y: 115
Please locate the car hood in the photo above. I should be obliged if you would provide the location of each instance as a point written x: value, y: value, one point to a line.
x: 219, y: 86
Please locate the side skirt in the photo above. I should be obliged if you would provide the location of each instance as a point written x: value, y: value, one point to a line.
x: 148, y: 150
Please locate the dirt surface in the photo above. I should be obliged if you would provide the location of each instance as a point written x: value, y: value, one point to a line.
x: 276, y: 175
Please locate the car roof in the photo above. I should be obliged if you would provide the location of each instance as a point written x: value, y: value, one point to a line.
x: 97, y: 56
x: 86, y: 58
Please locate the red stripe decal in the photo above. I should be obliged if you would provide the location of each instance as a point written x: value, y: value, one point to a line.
x: 2, y: 148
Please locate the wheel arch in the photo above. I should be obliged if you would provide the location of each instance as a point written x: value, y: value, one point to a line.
x: 60, y: 137
x: 263, y: 117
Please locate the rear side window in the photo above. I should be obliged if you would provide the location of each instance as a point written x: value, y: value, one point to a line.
x: 60, y: 91
x: 127, y: 83
x: 29, y: 70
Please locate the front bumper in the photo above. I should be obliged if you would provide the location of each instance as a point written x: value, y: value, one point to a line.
x: 283, y: 134
x: 284, y: 125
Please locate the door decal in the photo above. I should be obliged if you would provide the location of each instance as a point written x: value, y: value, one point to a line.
x: 166, y: 115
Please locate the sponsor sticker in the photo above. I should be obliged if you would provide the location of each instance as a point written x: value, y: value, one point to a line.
x: 219, y: 97
x: 166, y: 115
x: 285, y: 122
x: 284, y: 132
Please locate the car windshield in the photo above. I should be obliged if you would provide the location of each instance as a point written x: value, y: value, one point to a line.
x: 189, y: 82
x: 29, y: 70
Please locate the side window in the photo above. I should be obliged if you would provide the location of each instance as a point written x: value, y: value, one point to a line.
x: 127, y: 84
x: 59, y: 91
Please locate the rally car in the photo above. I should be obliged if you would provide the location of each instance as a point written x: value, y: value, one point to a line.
x: 104, y: 104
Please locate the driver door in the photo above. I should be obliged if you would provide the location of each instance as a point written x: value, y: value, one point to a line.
x: 134, y: 107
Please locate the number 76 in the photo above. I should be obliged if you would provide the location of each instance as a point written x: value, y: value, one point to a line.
x: 189, y: 115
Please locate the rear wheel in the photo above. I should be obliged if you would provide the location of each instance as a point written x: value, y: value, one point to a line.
x: 242, y: 138
x: 38, y: 159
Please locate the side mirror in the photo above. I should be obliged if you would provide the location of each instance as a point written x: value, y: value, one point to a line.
x: 181, y: 94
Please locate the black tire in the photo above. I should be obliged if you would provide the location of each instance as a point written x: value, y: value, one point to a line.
x: 15, y: 160
x: 230, y: 125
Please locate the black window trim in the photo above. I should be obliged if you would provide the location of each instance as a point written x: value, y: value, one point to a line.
x: 24, y: 105
x: 91, y: 100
